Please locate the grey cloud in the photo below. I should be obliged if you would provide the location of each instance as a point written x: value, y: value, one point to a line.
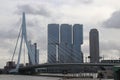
x: 113, y: 21
x: 109, y: 45
x: 86, y: 1
x: 10, y: 34
x: 42, y: 39
x: 86, y: 37
x: 70, y: 1
x: 34, y: 10
x: 42, y: 43
x: 85, y: 49
x: 32, y: 23
x: 109, y: 49
x: 4, y: 44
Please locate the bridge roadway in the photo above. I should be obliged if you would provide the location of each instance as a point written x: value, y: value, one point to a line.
x: 67, y: 65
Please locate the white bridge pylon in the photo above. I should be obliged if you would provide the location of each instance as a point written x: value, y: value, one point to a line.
x: 24, y: 37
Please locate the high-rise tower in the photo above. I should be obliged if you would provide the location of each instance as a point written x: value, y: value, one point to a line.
x: 65, y: 46
x: 64, y: 43
x: 77, y: 42
x: 53, y: 41
x: 94, y: 45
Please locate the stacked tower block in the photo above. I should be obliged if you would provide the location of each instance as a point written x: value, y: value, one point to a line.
x: 65, y: 41
x: 53, y: 41
x: 77, y: 42
x: 65, y: 46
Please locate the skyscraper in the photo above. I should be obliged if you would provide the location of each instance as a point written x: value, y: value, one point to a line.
x: 77, y: 34
x: 53, y: 41
x: 65, y: 46
x: 35, y: 52
x: 94, y: 46
x: 64, y: 43
x: 77, y: 42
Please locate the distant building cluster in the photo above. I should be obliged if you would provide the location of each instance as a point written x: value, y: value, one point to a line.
x: 64, y: 43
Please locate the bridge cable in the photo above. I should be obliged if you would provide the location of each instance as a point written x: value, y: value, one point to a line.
x: 63, y: 48
x: 16, y: 44
x: 24, y: 53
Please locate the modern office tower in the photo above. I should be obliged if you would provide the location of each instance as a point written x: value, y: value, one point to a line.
x: 77, y: 42
x: 77, y: 34
x: 37, y: 57
x: 32, y: 49
x: 53, y: 33
x: 66, y: 34
x: 94, y: 46
x: 35, y: 51
x: 53, y: 41
x: 52, y: 53
x: 69, y: 46
x: 65, y: 46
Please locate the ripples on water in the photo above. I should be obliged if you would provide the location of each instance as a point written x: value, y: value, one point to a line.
x: 22, y: 77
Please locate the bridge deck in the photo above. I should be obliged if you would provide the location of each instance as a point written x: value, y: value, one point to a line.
x: 68, y: 65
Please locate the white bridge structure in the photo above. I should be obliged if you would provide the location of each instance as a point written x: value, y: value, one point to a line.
x: 33, y: 52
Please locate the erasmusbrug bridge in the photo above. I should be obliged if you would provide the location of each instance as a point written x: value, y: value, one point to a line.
x: 34, y: 66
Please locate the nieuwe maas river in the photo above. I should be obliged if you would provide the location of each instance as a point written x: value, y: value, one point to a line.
x: 23, y: 77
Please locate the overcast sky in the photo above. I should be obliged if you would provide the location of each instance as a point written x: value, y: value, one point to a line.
x: 101, y: 14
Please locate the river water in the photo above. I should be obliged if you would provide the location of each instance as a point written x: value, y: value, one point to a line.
x: 22, y: 77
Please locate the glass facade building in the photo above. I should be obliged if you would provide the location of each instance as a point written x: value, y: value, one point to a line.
x: 77, y: 42
x: 53, y: 41
x: 64, y: 43
x: 65, y: 48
